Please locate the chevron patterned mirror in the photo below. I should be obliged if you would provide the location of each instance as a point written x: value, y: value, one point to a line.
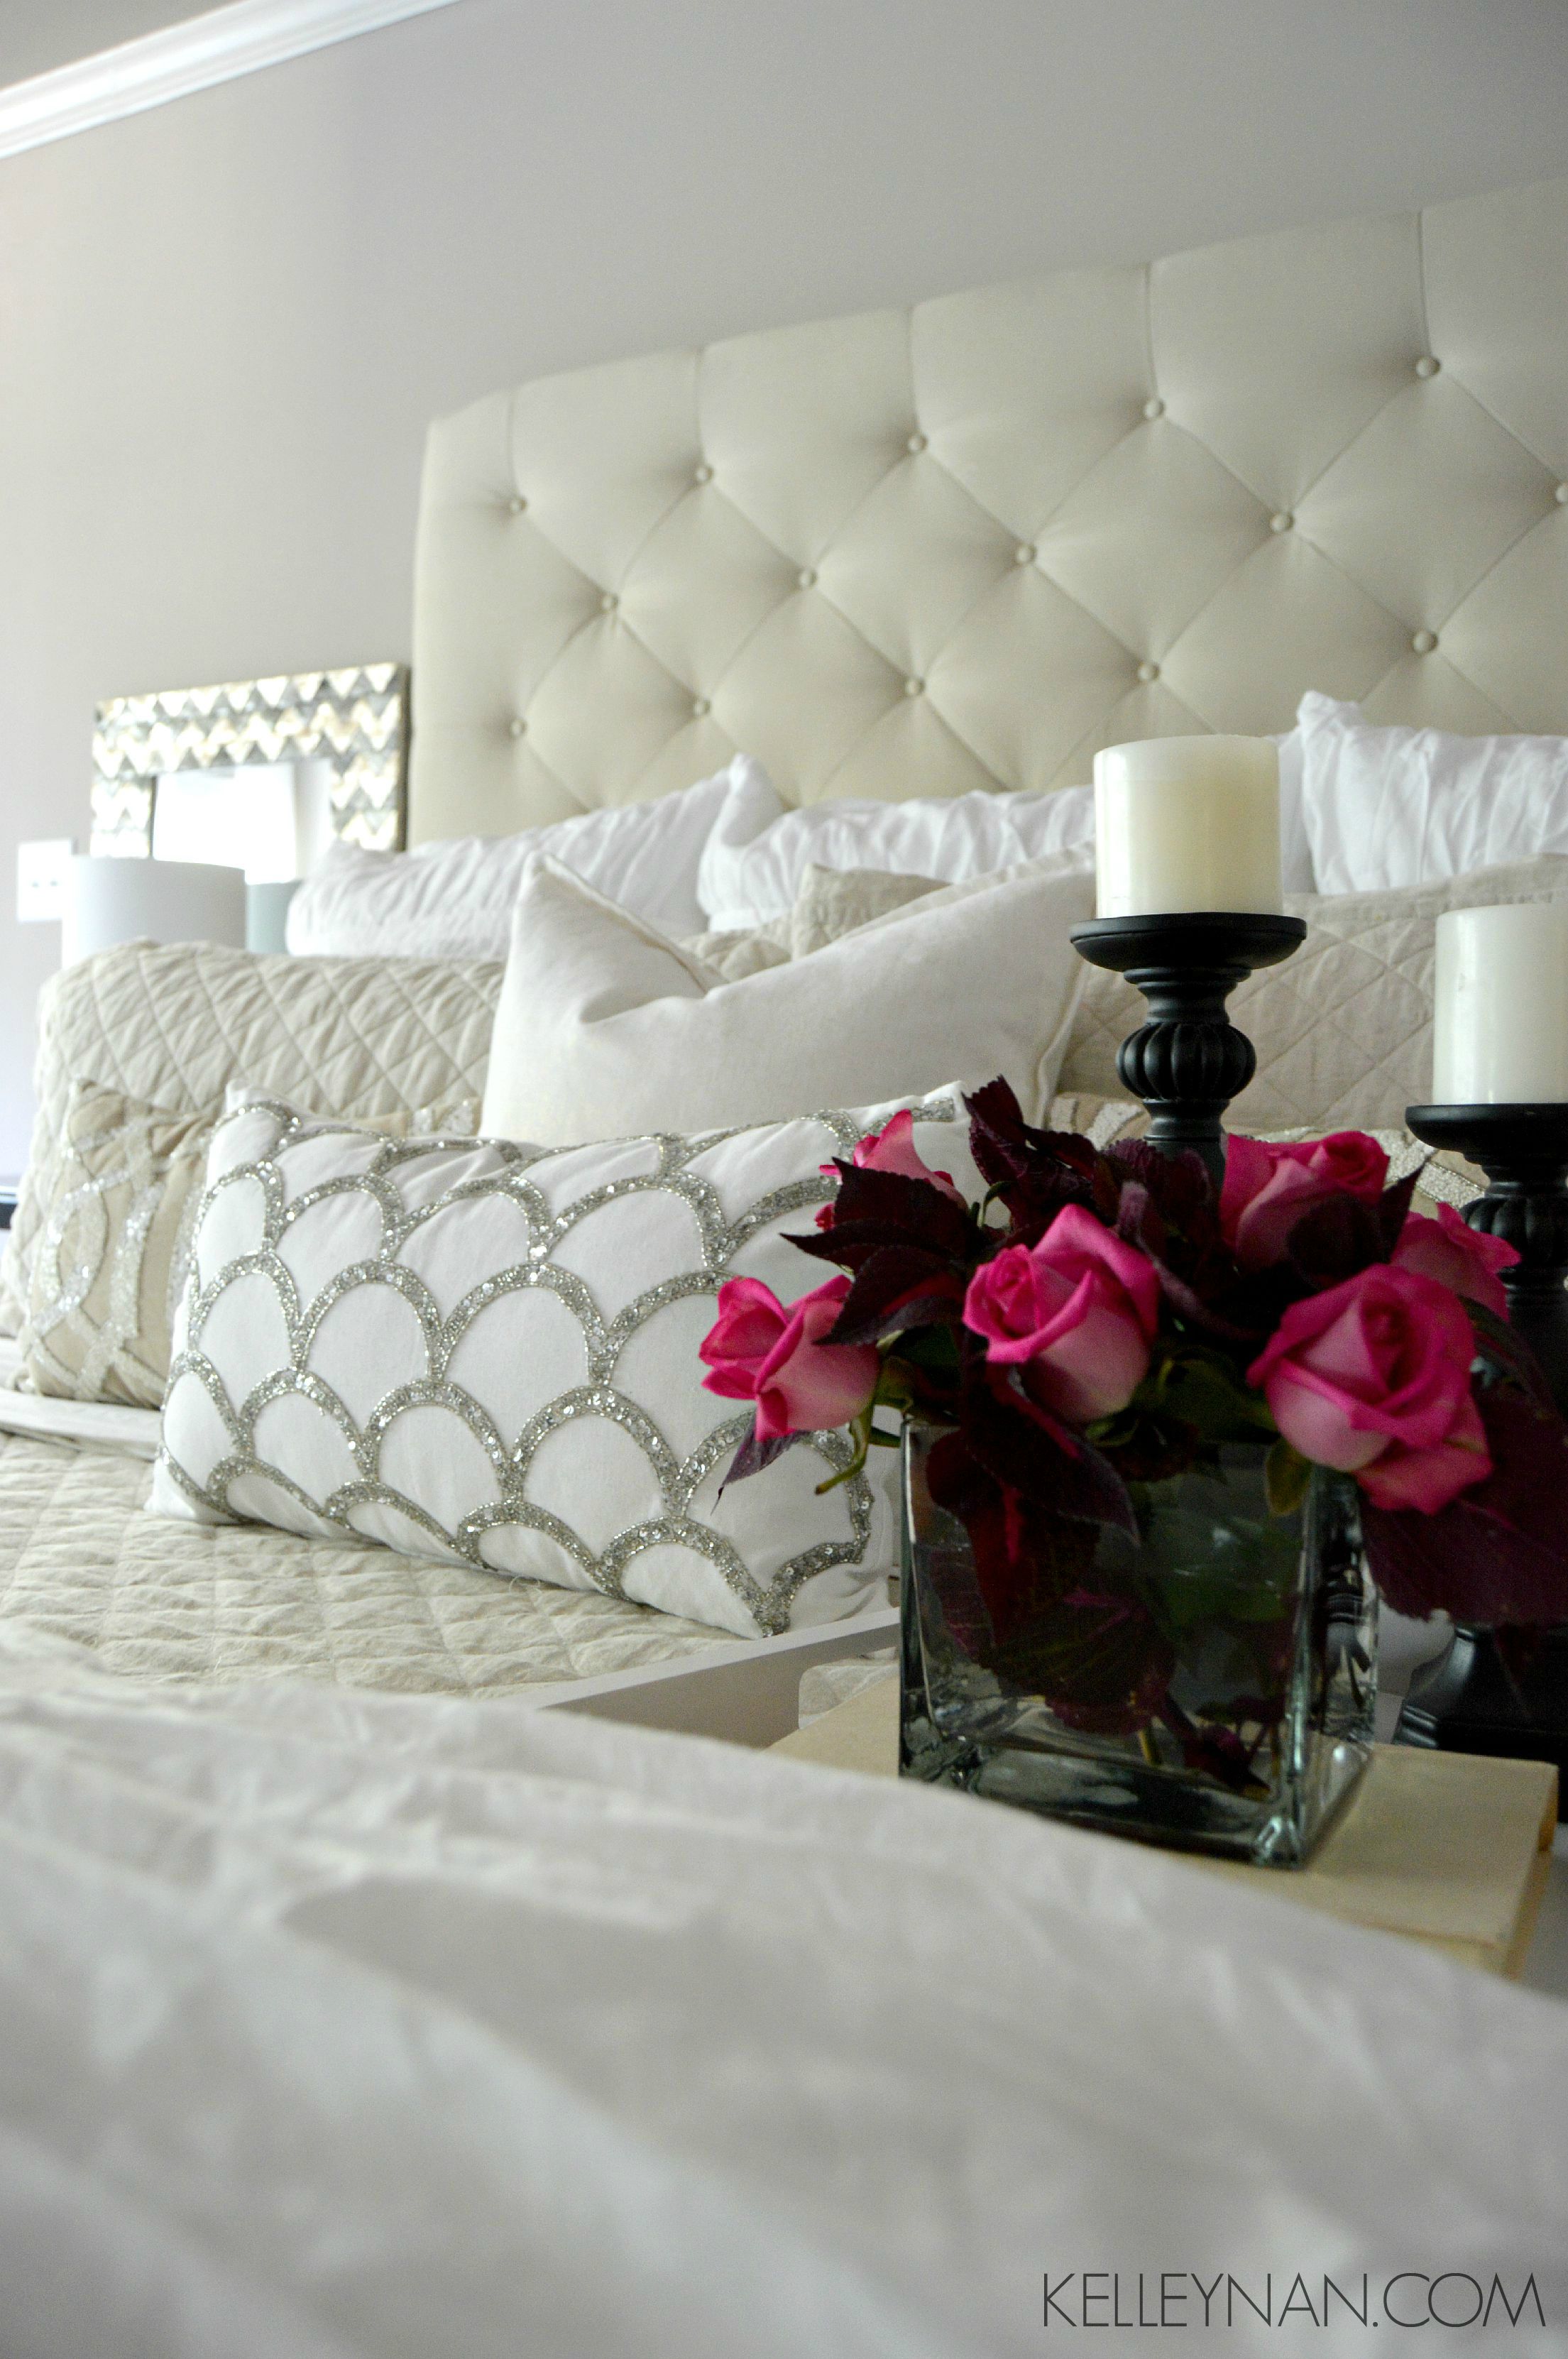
x: 260, y: 774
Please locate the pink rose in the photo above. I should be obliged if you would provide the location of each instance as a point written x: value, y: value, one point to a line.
x: 1373, y: 1377
x: 1078, y: 1312
x: 892, y: 1149
x: 1267, y: 1188
x: 1457, y: 1255
x: 758, y: 1350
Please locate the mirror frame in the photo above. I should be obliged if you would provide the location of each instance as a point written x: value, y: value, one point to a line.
x: 354, y: 720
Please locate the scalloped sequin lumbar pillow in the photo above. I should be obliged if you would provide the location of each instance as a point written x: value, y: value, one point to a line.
x: 488, y: 1351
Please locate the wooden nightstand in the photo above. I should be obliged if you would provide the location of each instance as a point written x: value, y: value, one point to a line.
x: 1446, y: 1848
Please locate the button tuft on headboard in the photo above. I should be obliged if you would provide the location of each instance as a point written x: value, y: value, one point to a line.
x: 1285, y: 365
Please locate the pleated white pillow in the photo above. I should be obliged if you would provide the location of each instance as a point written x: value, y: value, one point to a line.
x: 489, y: 1351
x: 453, y: 900
x: 605, y: 1025
x: 758, y: 852
x: 1388, y: 807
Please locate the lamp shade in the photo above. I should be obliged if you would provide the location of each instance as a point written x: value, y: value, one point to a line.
x: 266, y: 920
x: 112, y: 900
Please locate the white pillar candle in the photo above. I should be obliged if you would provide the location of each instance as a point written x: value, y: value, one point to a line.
x: 1500, y: 1018
x: 1187, y: 823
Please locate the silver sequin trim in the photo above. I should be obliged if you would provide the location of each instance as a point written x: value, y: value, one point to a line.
x: 679, y: 1480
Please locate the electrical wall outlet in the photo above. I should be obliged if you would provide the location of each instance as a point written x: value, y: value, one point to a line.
x: 43, y: 873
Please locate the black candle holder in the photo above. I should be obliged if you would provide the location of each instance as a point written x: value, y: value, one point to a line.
x: 1189, y: 1060
x: 1523, y: 1150
x: 1474, y: 1699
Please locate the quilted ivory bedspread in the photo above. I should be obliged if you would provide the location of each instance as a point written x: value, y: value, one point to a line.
x: 164, y: 1602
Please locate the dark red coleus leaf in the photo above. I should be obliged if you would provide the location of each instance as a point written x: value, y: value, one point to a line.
x: 1029, y: 1450
x: 1178, y: 1186
x: 1340, y: 1236
x: 875, y: 1210
x: 1510, y: 1355
x: 897, y: 1288
x: 1044, y: 1621
x: 1035, y: 1172
x: 920, y: 1212
x: 1212, y: 1270
x: 1220, y: 1753
x: 1498, y: 1553
x: 1343, y: 1234
x: 754, y: 1455
x: 999, y: 1135
x: 1393, y: 1209
x: 1095, y: 1654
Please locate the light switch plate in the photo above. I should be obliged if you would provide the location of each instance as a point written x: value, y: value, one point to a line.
x: 43, y: 871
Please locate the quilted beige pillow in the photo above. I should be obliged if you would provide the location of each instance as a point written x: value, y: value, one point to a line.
x: 117, y: 1200
x: 832, y: 902
x: 117, y: 1197
x: 174, y: 1024
x: 1343, y: 1030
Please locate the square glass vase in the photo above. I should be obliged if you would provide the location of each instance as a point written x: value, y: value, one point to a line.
x: 1210, y: 1686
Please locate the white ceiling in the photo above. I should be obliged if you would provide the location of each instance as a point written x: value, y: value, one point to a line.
x: 35, y: 35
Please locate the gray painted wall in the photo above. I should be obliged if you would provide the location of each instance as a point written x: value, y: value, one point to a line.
x: 35, y: 35
x: 224, y: 325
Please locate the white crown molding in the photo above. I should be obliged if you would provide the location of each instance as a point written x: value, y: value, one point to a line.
x: 213, y: 48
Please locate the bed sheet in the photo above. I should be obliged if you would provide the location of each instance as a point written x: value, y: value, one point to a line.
x: 163, y: 1601
x: 336, y: 2023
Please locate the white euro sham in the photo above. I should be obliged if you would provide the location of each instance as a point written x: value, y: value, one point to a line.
x: 604, y: 1028
x: 1388, y: 807
x: 453, y: 900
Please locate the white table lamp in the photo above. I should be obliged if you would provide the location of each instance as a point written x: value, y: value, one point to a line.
x: 111, y: 900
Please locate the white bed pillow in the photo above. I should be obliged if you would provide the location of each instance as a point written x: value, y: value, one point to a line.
x: 756, y: 856
x: 473, y: 1349
x: 605, y: 1027
x: 453, y: 900
x: 1386, y: 807
x: 1297, y: 874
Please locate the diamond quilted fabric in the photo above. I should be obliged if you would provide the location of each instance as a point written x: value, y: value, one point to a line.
x: 173, y: 1023
x: 1343, y: 1030
x: 181, y: 1604
x: 488, y: 1352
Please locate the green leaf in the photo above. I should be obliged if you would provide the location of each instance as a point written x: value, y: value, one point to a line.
x: 1205, y: 1393
x: 1286, y: 1476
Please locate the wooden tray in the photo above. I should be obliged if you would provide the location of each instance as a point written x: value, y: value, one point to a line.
x: 1447, y: 1848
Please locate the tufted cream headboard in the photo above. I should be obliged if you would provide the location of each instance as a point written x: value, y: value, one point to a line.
x: 967, y: 544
